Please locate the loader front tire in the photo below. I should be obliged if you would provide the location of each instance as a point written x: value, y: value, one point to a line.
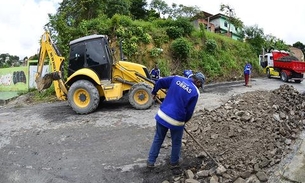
x: 140, y: 96
x: 83, y: 97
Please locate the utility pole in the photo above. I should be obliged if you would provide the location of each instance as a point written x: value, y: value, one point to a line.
x: 208, y: 23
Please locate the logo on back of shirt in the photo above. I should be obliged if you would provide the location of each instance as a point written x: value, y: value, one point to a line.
x: 184, y: 86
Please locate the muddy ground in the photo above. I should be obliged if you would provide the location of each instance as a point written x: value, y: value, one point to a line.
x: 48, y: 142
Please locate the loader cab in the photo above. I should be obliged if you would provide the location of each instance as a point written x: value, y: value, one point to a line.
x: 91, y: 52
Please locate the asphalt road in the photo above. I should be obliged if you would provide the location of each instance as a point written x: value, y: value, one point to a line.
x: 48, y: 142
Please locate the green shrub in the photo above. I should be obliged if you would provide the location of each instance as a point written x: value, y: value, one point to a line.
x: 181, y: 48
x: 211, y: 45
x: 136, y: 30
x: 164, y: 66
x: 174, y: 32
x: 161, y: 23
x: 145, y: 38
x: 130, y: 46
x: 146, y: 26
x: 185, y: 24
x: 159, y: 37
x: 122, y: 32
x: 156, y: 52
x: 121, y: 20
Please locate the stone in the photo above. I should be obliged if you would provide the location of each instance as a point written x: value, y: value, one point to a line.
x: 253, y: 179
x: 191, y: 181
x: 220, y: 170
x: 203, y: 173
x: 202, y: 154
x: 262, y: 176
x: 214, y: 179
x: 240, y: 180
x: 165, y: 181
x: 189, y: 174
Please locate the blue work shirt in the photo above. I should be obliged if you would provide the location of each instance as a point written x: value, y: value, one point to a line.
x: 180, y: 101
x: 247, y: 68
x: 155, y: 74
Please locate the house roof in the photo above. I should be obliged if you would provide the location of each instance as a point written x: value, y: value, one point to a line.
x: 218, y: 15
x: 206, y: 14
x: 211, y: 16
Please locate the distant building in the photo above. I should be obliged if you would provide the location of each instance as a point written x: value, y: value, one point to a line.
x: 219, y: 24
x: 205, y: 20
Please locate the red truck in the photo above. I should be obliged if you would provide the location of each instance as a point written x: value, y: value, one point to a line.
x: 283, y: 65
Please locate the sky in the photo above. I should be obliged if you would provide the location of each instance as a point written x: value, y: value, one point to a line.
x: 22, y: 21
x: 22, y: 24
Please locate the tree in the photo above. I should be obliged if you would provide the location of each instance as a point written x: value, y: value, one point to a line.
x: 255, y: 37
x: 76, y: 18
x: 299, y: 45
x: 77, y: 10
x: 7, y: 60
x: 152, y: 14
x: 71, y: 13
x: 160, y: 6
x: 199, y: 15
x: 117, y: 7
x: 274, y: 43
x: 232, y: 19
x: 183, y: 11
x: 137, y: 9
x: 63, y: 26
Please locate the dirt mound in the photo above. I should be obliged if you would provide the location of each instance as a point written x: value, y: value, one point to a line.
x: 21, y: 100
x: 30, y: 99
x: 248, y: 135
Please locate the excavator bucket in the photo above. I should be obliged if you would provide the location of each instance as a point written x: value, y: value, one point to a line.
x: 46, y: 81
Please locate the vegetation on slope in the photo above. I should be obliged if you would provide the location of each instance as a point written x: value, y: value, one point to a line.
x: 147, y: 37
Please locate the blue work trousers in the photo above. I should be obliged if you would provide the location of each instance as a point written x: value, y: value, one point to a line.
x: 176, y: 136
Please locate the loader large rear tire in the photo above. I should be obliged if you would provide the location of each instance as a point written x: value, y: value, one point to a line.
x: 140, y: 96
x: 83, y: 97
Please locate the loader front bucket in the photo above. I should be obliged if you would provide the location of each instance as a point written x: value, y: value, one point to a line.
x: 46, y: 81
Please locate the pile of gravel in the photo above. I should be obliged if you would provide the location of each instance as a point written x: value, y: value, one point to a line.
x: 247, y: 135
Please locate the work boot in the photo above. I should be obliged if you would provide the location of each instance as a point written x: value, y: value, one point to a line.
x: 175, y: 168
x: 174, y: 165
x: 150, y: 165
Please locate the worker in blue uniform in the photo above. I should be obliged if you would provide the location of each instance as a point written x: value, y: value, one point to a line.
x: 155, y: 73
x: 176, y: 109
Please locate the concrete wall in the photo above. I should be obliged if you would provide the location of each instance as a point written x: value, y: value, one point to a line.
x: 19, y: 79
x: 14, y: 79
x: 209, y: 26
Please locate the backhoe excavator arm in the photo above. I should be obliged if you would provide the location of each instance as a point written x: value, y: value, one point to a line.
x: 48, y: 49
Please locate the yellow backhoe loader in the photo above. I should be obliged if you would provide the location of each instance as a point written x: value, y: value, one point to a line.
x: 93, y: 75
